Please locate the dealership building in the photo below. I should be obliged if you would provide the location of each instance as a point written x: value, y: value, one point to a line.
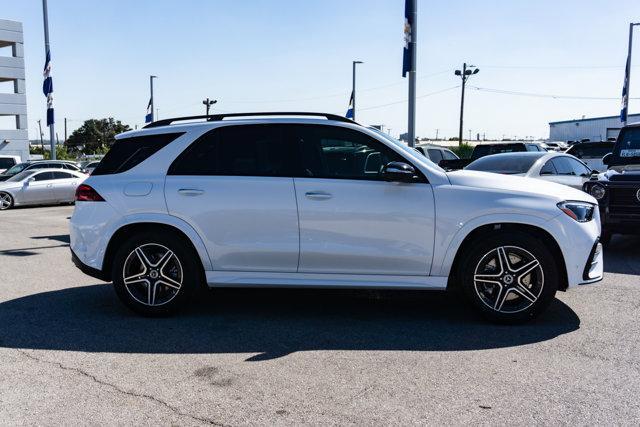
x: 13, y: 101
x: 594, y: 129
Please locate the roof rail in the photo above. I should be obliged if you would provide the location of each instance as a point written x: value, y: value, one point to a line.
x: 219, y: 117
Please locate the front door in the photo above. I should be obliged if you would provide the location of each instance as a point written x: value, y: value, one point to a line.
x: 39, y: 190
x: 234, y: 186
x: 351, y: 220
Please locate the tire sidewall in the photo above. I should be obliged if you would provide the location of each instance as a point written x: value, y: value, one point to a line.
x: 190, y: 270
x: 536, y: 247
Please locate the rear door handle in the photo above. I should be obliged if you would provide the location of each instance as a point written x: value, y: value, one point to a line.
x: 190, y: 191
x: 318, y: 195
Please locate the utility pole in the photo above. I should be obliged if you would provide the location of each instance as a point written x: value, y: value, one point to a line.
x: 208, y: 103
x: 437, y: 134
x: 65, y: 129
x: 464, y: 74
x: 627, y: 74
x: 47, y: 50
x: 153, y: 117
x: 353, y: 88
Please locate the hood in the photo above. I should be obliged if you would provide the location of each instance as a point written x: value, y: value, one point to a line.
x: 517, y: 184
x: 615, y: 175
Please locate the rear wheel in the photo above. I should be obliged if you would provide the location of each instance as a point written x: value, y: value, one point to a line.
x: 6, y: 201
x: 155, y: 274
x: 509, y: 277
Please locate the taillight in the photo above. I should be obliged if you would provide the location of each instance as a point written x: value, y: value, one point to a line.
x: 86, y: 193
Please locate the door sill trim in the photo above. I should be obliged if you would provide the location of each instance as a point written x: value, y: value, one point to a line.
x: 231, y: 279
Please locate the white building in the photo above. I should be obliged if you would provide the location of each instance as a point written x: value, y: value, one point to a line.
x: 13, y: 101
x: 595, y: 129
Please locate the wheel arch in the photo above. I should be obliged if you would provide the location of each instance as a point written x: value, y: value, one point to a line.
x: 127, y: 230
x: 533, y: 230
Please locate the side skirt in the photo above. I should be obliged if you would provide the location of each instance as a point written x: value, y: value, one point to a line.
x: 231, y: 279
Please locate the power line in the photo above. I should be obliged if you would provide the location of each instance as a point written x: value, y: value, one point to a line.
x: 404, y: 100
x: 556, y: 67
x: 543, y: 95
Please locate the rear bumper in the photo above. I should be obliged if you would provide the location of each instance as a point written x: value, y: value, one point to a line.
x: 89, y: 271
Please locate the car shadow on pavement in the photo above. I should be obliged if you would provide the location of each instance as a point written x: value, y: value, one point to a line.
x: 622, y: 255
x: 268, y: 322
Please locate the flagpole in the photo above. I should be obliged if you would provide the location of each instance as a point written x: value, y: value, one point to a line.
x: 52, y: 132
x: 353, y: 90
x: 412, y: 73
x: 153, y: 117
x: 628, y: 74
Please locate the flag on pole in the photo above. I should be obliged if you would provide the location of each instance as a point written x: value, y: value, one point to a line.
x: 624, y: 111
x: 408, y: 24
x: 349, y: 114
x: 148, y: 117
x: 47, y: 88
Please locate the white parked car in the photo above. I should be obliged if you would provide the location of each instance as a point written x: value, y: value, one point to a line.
x: 39, y: 187
x: 315, y: 200
x: 550, y: 166
x: 6, y: 162
x: 435, y: 153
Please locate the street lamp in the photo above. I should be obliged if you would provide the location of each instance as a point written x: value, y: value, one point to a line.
x: 208, y: 103
x: 353, y: 89
x: 465, y: 73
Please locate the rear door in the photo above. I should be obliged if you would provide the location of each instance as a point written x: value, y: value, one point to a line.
x: 234, y: 185
x: 351, y: 220
x: 64, y: 186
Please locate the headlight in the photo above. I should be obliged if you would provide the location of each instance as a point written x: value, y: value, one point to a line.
x: 598, y: 191
x: 580, y: 211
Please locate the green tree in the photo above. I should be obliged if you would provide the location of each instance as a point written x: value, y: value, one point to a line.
x: 95, y: 136
x: 463, y: 151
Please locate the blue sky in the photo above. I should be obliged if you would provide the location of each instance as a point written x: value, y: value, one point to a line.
x: 256, y: 55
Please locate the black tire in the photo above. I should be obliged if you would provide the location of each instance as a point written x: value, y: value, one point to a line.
x: 519, y: 297
x: 182, y: 268
x: 6, y: 201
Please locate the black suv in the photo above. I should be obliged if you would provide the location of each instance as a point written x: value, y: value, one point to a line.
x: 618, y: 189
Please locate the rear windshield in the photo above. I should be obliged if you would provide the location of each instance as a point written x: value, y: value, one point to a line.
x: 6, y: 163
x: 485, y: 150
x: 592, y: 150
x: 507, y: 164
x: 129, y: 152
x: 629, y: 144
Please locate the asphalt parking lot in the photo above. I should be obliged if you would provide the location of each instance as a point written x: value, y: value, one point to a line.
x: 71, y: 353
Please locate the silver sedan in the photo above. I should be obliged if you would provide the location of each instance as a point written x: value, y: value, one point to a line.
x: 549, y: 166
x: 40, y: 187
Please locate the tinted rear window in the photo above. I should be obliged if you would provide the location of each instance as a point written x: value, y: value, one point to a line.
x: 591, y: 150
x: 629, y: 145
x: 6, y: 163
x: 129, y: 152
x: 485, y: 150
x: 508, y: 164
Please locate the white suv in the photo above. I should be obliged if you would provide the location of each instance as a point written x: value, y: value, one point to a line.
x: 316, y: 200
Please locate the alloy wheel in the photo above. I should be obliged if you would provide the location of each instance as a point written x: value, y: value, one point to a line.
x: 5, y: 201
x: 508, y: 279
x: 152, y: 274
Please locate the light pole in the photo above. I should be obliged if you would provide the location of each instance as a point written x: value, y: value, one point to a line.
x: 627, y: 74
x: 464, y: 74
x: 152, y: 101
x: 208, y: 103
x: 47, y: 52
x: 353, y: 89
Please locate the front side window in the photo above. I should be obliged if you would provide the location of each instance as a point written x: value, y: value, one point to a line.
x: 246, y: 150
x: 335, y: 152
x: 449, y: 155
x: 563, y: 166
x: 578, y: 168
x: 548, y: 169
x: 43, y: 176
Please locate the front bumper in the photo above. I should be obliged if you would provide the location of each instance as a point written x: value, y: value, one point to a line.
x: 594, y: 268
x: 89, y: 271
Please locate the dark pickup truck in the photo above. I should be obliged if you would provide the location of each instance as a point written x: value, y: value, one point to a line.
x: 618, y: 189
x: 482, y: 150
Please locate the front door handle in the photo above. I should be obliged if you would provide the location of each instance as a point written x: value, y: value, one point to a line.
x: 190, y: 192
x: 318, y: 195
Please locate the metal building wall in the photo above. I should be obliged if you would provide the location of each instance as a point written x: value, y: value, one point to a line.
x: 14, y: 140
x: 595, y: 129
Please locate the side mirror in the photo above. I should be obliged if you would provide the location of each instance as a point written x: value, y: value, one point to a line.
x: 398, y: 172
x: 29, y: 180
x: 607, y: 158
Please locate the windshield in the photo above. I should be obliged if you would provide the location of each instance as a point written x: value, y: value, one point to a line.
x: 506, y: 164
x: 21, y: 176
x: 629, y: 144
x: 17, y: 168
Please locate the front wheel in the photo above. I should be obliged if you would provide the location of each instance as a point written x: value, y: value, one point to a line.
x: 155, y: 274
x: 509, y: 277
x: 6, y: 201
